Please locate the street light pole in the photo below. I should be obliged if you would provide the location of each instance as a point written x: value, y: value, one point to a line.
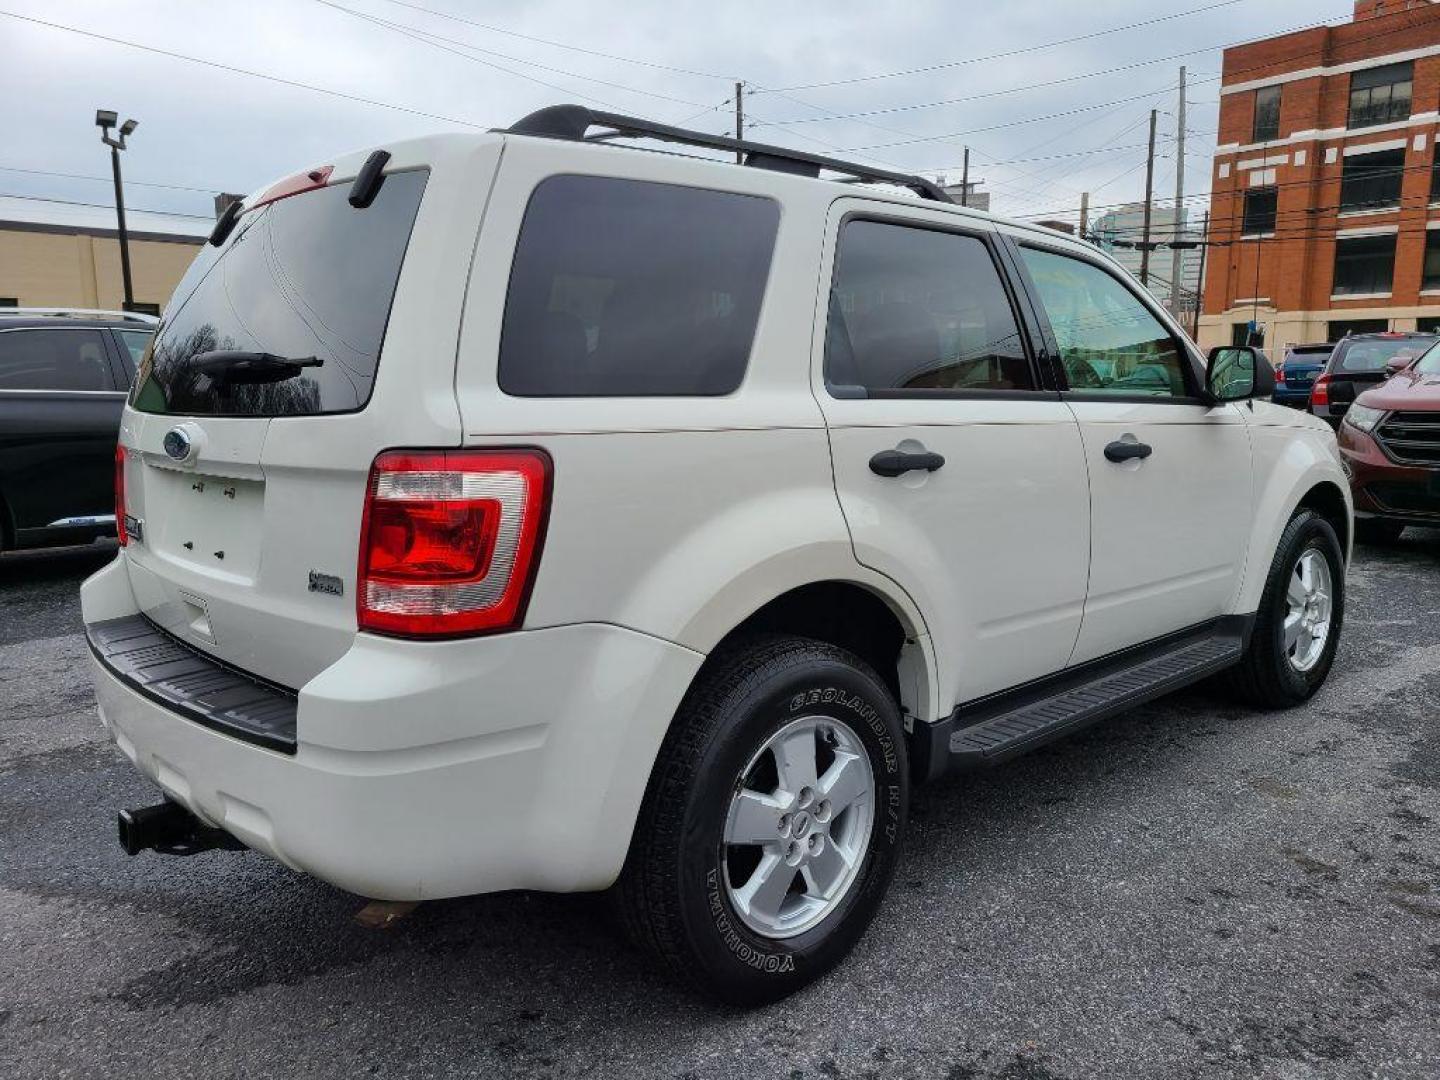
x: 105, y: 120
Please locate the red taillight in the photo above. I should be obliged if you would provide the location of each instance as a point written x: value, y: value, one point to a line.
x: 1320, y: 392
x: 120, y: 533
x: 450, y: 540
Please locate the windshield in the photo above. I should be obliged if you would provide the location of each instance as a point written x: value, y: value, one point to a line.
x: 305, y: 276
x: 1429, y: 364
x: 1366, y: 356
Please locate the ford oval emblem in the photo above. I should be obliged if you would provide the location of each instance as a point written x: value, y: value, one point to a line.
x: 176, y: 444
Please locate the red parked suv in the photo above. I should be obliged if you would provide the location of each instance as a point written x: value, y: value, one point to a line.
x: 1390, y: 446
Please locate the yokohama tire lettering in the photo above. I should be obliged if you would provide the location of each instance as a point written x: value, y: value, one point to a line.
x: 770, y: 963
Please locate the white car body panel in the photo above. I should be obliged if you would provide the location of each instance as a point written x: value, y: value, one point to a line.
x: 1167, y: 533
x: 518, y: 760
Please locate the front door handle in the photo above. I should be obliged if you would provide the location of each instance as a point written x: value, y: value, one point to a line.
x: 1123, y: 450
x: 899, y: 462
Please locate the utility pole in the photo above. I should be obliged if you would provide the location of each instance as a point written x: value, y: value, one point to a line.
x: 739, y: 120
x: 965, y: 180
x: 1176, y: 253
x: 1200, y: 281
x: 1149, y: 193
x: 106, y: 119
x: 1084, y: 214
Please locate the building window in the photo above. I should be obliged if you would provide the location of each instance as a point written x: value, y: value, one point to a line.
x: 1241, y: 334
x: 1259, y: 212
x: 142, y: 308
x: 1364, y: 265
x: 1267, y: 114
x: 1337, y: 329
x: 1435, y: 176
x: 1431, y: 277
x: 1430, y: 324
x: 1372, y: 181
x: 9, y: 301
x: 1380, y: 95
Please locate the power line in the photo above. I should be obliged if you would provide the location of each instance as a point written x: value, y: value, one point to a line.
x: 108, y: 179
x: 1013, y: 123
x: 563, y: 45
x: 294, y: 83
x: 1006, y: 54
x: 103, y: 206
x: 443, y: 43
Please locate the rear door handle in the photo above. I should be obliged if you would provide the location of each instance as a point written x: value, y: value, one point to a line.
x: 1122, y: 450
x: 899, y: 462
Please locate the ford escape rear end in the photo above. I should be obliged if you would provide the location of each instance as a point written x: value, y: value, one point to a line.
x: 523, y: 511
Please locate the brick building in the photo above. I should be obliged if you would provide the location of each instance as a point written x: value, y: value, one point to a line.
x: 1325, y: 206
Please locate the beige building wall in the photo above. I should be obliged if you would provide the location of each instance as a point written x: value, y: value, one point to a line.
x: 50, y: 268
x: 1284, y: 328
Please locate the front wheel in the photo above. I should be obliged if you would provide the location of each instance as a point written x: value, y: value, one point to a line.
x: 771, y: 826
x: 1297, y: 627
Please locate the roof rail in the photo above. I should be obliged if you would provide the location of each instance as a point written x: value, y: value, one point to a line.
x: 83, y: 313
x: 573, y: 121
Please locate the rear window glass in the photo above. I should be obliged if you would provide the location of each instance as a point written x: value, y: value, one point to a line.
x: 54, y: 360
x: 308, y: 277
x: 1361, y: 357
x: 629, y: 288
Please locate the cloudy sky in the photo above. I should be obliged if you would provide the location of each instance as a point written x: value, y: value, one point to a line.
x: 1064, y: 112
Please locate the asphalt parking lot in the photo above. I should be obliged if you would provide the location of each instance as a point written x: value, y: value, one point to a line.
x: 1192, y: 890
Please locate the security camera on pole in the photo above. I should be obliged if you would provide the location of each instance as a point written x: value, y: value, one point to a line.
x: 105, y: 119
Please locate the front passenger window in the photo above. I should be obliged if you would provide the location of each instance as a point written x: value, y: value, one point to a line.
x: 1109, y: 342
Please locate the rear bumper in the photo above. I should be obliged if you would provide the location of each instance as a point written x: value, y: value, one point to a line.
x: 1406, y: 494
x: 428, y: 769
x: 1296, y: 398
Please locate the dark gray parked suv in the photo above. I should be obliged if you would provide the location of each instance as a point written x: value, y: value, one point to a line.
x: 63, y: 379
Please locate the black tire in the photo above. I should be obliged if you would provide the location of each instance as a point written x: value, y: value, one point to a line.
x: 1265, y: 676
x: 1377, y: 531
x: 671, y: 895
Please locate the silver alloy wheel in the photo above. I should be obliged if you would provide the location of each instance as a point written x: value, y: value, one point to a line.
x: 810, y: 830
x: 1308, y: 607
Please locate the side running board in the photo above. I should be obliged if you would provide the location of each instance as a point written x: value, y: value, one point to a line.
x: 996, y: 728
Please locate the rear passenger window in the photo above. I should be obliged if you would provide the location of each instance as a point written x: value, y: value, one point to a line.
x: 916, y: 310
x: 54, y: 360
x: 626, y: 288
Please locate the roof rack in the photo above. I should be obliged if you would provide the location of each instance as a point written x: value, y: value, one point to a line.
x: 83, y: 313
x: 573, y: 121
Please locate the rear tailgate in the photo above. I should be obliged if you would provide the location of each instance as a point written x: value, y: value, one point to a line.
x: 249, y: 538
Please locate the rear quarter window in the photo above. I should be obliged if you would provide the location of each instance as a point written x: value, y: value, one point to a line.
x: 624, y: 288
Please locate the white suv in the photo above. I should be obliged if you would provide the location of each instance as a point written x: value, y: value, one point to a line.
x: 525, y: 511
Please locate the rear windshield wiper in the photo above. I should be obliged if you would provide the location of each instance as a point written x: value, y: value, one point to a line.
x: 238, y: 366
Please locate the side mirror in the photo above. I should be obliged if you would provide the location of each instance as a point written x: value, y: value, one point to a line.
x: 1397, y: 364
x: 1237, y: 372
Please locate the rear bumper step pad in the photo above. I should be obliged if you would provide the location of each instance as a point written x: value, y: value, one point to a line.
x: 197, y: 687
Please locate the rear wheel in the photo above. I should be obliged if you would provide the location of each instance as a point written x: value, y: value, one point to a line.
x: 1297, y: 627
x: 1377, y: 531
x: 771, y: 826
